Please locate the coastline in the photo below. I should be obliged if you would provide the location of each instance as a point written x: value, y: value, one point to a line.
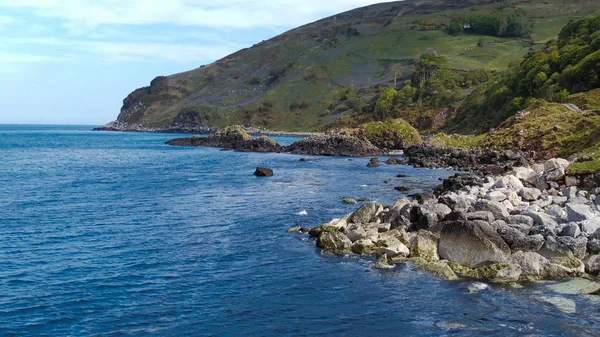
x: 495, y: 228
x: 198, y: 130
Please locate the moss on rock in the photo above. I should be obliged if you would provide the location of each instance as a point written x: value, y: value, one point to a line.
x: 394, y: 134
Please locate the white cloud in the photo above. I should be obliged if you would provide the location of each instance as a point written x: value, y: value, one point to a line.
x: 29, y: 58
x: 163, y: 51
x: 118, y: 51
x: 81, y: 16
x: 116, y: 30
x: 6, y: 20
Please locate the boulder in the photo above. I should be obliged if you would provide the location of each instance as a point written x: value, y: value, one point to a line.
x: 541, y: 219
x: 401, y: 235
x: 392, y: 248
x: 356, y: 232
x: 499, y: 210
x: 335, y: 242
x: 590, y: 227
x: 572, y: 229
x: 556, y: 175
x: 471, y: 244
x: 577, y: 246
x: 592, y: 264
x: 509, y: 234
x: 579, y: 212
x: 366, y: 213
x: 526, y: 175
x: 531, y: 243
x: 364, y: 246
x: 571, y: 181
x: 373, y: 162
x: 570, y: 192
x: 263, y: 172
x: 560, y: 200
x: 532, y: 264
x: 593, y: 246
x: 439, y: 269
x: 457, y: 202
x: 573, y: 266
x: 481, y: 215
x: 557, y: 212
x: 513, y: 198
x: 403, y: 188
x: 427, y: 216
x: 496, y: 196
x: 509, y: 182
x: 349, y: 201
x: 399, y: 204
x: 530, y: 194
x: 556, y: 163
x: 523, y: 228
x: 519, y: 219
x: 498, y: 273
x: 424, y: 245
x: 335, y: 225
x: 552, y: 248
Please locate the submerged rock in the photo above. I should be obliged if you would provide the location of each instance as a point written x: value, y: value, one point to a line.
x: 575, y: 286
x: 263, y: 172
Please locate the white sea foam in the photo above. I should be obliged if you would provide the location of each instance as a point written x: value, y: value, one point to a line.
x: 302, y: 213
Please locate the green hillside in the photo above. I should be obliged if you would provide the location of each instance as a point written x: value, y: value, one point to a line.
x: 329, y: 73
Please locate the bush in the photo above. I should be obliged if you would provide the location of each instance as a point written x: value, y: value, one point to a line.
x: 394, y: 134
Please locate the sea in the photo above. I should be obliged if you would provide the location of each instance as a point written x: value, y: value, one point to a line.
x: 117, y: 234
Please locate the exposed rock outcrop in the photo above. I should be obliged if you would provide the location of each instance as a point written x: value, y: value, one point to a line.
x: 231, y: 138
x: 334, y: 144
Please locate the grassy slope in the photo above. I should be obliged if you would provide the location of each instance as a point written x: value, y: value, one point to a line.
x: 320, y: 69
x: 546, y: 130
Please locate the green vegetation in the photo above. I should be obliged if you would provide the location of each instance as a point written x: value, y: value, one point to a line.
x: 511, y: 23
x: 457, y: 141
x: 570, y: 64
x: 392, y: 134
x: 548, y: 130
x: 363, y: 51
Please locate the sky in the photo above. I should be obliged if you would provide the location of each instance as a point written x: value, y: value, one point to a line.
x: 73, y: 61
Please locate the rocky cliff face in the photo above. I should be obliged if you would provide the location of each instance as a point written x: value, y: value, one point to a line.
x: 136, y: 103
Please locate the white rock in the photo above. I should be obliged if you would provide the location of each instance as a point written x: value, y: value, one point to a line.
x: 556, y: 163
x: 530, y: 194
x: 525, y: 174
x: 579, y: 212
x: 513, y: 197
x: 496, y: 196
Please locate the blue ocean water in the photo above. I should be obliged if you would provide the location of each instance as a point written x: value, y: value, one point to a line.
x: 116, y: 234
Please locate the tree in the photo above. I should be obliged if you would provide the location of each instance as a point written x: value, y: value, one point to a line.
x: 386, y: 103
x: 456, y: 27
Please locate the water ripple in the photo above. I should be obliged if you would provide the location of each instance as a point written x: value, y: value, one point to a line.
x: 116, y: 234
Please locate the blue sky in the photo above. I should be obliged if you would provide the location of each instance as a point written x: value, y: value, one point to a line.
x: 73, y: 61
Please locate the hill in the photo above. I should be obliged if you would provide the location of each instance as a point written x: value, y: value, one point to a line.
x: 328, y: 73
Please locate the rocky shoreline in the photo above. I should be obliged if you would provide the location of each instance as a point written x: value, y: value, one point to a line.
x: 117, y: 126
x: 237, y: 139
x: 501, y: 228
